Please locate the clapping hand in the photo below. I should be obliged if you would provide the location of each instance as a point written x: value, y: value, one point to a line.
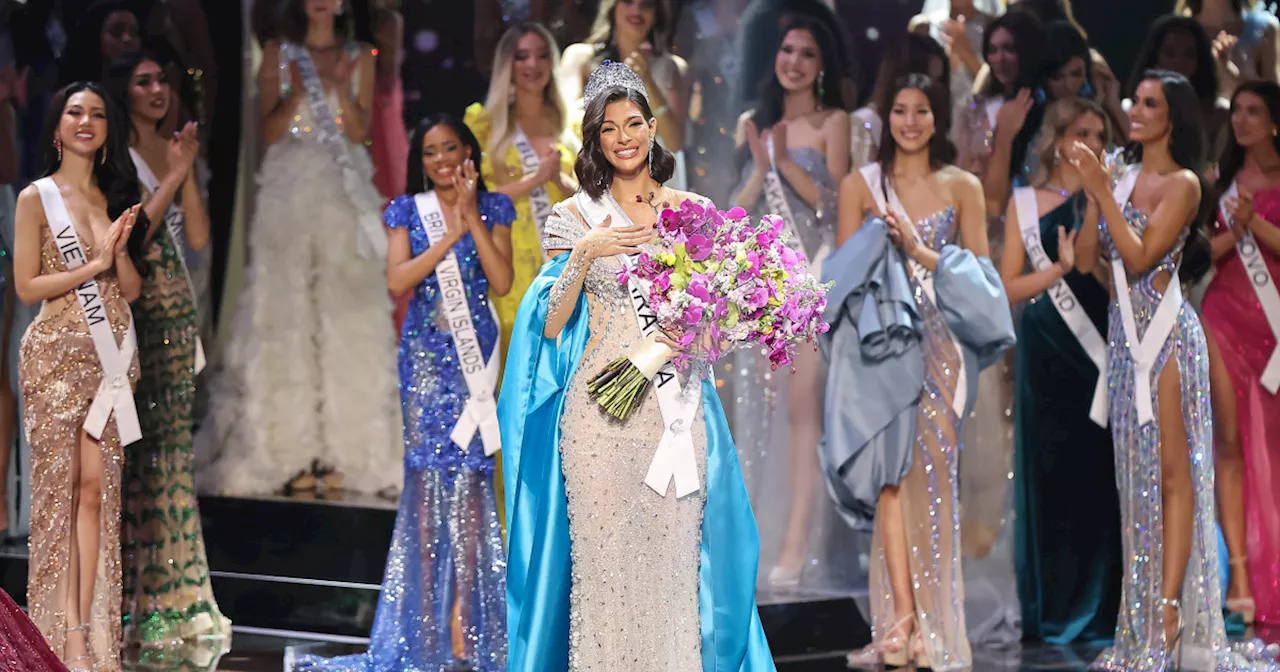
x: 184, y: 146
x: 1067, y: 249
x: 1013, y: 113
x: 639, y: 60
x: 1092, y: 174
x: 116, y: 242
x: 465, y: 182
x: 759, y: 150
x: 1241, y: 210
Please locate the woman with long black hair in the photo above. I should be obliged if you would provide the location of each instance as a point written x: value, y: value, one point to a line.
x: 797, y: 143
x: 446, y: 550
x: 77, y: 368
x: 1153, y: 235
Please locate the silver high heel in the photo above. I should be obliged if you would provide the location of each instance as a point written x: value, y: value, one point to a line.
x: 1173, y: 649
x: 71, y: 664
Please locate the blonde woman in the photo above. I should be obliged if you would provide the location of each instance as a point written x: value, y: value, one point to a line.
x: 637, y: 32
x: 528, y: 150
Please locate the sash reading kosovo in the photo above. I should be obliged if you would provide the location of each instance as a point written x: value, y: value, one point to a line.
x: 1264, y: 287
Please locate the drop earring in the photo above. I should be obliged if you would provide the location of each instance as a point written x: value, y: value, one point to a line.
x: 650, y: 156
x: 57, y: 144
x: 102, y: 160
x: 822, y: 75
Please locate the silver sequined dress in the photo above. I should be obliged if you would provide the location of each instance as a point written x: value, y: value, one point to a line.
x: 1140, y: 639
x: 635, y: 554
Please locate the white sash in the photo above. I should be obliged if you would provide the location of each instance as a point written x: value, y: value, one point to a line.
x: 992, y: 108
x: 173, y: 219
x: 871, y: 174
x: 1145, y: 351
x: 1064, y: 300
x: 1264, y: 286
x: 775, y: 195
x: 539, y: 199
x: 480, y: 414
x: 114, y: 394
x: 674, y: 458
x: 371, y: 239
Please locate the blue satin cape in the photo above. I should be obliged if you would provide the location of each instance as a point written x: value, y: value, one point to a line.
x: 537, y: 375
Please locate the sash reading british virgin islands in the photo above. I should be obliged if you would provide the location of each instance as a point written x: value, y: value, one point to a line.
x: 1143, y: 351
x: 173, y: 225
x: 539, y: 199
x: 871, y: 174
x: 1264, y: 287
x: 114, y: 395
x: 1064, y: 300
x: 674, y: 459
x: 480, y: 413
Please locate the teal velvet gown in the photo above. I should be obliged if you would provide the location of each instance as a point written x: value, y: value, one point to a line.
x: 1066, y: 509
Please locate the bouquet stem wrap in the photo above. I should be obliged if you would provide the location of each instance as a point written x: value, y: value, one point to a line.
x: 621, y: 386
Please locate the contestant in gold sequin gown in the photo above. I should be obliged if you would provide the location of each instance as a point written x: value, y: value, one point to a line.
x: 59, y: 374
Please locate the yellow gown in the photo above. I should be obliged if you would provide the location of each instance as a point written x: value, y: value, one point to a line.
x: 526, y: 245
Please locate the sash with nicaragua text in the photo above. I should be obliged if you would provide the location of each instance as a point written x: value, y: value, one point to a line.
x: 1264, y: 286
x: 115, y: 394
x: 1064, y: 300
x: 674, y: 458
x: 1143, y: 351
x: 173, y: 219
x: 480, y: 414
x: 887, y: 200
x: 371, y: 240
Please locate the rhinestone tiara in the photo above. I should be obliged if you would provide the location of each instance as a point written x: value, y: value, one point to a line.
x: 611, y: 74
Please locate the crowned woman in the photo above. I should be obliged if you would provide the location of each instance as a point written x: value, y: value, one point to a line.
x: 591, y: 512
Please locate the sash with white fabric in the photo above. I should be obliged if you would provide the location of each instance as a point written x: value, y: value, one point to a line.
x: 371, y: 240
x: 871, y: 174
x: 1264, y: 286
x: 776, y: 196
x: 1064, y: 300
x: 1144, y: 351
x: 539, y: 199
x: 992, y: 108
x: 114, y: 395
x: 674, y: 458
x: 480, y: 414
x: 173, y: 224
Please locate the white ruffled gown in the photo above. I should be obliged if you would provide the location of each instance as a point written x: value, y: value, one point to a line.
x: 308, y: 368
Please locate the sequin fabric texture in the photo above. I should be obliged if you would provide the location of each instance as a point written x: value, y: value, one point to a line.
x: 929, y: 493
x: 443, y: 599
x: 1140, y: 644
x: 633, y: 603
x: 169, y: 608
x: 59, y: 374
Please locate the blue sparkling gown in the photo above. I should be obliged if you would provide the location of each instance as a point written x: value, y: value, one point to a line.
x: 1140, y: 641
x: 446, y: 556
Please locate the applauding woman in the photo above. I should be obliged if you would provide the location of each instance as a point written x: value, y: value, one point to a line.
x: 77, y: 369
x: 450, y: 233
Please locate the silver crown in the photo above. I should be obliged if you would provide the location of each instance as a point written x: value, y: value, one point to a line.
x: 609, y: 75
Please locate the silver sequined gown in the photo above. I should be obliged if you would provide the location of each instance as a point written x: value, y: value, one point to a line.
x: 930, y: 493
x: 1140, y: 640
x: 635, y: 554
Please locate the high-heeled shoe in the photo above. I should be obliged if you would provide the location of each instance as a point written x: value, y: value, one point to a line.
x: 781, y: 577
x: 919, y: 659
x: 1241, y: 605
x: 71, y: 664
x: 1173, y: 648
x: 889, y: 652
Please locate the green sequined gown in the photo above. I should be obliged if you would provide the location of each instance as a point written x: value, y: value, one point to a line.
x: 169, y: 609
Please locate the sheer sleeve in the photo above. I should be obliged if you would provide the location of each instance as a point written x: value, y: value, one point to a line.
x: 400, y: 213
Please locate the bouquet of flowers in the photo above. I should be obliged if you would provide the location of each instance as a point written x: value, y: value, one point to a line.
x: 719, y: 281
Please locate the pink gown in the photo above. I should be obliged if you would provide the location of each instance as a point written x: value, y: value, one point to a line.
x: 1233, y: 314
x: 389, y: 151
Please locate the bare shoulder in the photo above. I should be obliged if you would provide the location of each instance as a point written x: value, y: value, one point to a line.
x: 961, y: 182
x: 854, y: 185
x: 1187, y: 182
x: 835, y: 119
x: 577, y: 54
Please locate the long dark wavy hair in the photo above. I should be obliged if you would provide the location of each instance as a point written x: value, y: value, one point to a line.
x: 765, y: 22
x: 606, y: 19
x: 770, y: 94
x: 593, y: 169
x: 1028, y: 38
x: 1187, y: 146
x: 114, y: 174
x: 81, y: 61
x: 1233, y: 154
x: 1205, y: 79
x: 941, y: 150
x: 1048, y: 11
x: 120, y: 74
x: 416, y: 180
x: 916, y: 53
